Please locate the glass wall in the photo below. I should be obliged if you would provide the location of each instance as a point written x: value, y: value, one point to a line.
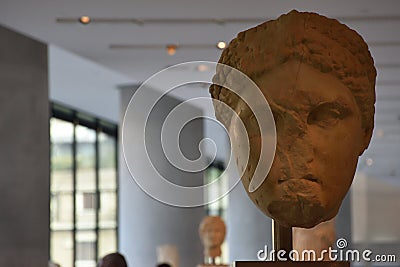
x: 84, y: 188
x: 214, y: 173
x: 375, y: 191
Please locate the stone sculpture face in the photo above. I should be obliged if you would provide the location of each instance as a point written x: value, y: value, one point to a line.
x: 212, y: 234
x: 321, y: 93
x: 319, y: 139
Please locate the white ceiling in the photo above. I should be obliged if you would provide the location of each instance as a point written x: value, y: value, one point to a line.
x: 377, y: 21
x: 38, y: 18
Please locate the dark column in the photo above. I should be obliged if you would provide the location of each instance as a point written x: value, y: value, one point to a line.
x: 24, y: 151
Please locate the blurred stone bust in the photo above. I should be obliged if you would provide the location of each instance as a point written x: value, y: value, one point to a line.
x: 212, y: 232
x: 318, y: 77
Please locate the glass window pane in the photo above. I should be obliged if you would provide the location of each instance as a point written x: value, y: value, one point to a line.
x: 215, y: 174
x: 88, y: 198
x: 107, y: 242
x: 86, y: 158
x: 86, y: 203
x: 62, y: 249
x: 62, y: 180
x: 61, y: 133
x: 108, y: 209
x: 61, y: 210
x: 376, y: 186
x: 85, y: 249
x: 107, y: 156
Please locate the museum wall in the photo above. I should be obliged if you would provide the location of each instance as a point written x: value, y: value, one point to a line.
x: 24, y: 157
x: 248, y: 229
x: 84, y: 85
x: 145, y: 223
x: 343, y: 220
x: 375, y: 218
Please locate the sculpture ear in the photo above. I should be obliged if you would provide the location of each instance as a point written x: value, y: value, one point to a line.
x: 367, y: 135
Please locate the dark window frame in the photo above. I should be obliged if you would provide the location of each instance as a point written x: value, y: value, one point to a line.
x: 68, y: 114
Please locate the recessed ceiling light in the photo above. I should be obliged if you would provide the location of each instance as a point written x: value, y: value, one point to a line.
x: 84, y: 20
x: 202, y: 67
x: 221, y: 45
x: 380, y: 133
x: 171, y: 49
x: 369, y: 161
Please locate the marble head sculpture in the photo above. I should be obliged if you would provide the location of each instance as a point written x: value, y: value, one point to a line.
x: 318, y: 77
x: 212, y: 232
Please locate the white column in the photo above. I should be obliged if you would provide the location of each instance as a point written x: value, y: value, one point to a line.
x: 145, y: 223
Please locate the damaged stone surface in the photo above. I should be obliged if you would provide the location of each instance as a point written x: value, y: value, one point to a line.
x: 318, y: 77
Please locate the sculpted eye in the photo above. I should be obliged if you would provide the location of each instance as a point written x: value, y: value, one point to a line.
x: 278, y: 120
x: 327, y: 114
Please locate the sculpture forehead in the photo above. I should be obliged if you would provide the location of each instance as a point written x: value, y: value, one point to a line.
x: 213, y: 224
x: 297, y: 86
x: 212, y: 221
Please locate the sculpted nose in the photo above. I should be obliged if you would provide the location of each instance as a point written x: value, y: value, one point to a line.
x: 305, y: 146
x: 310, y: 155
x: 293, y: 140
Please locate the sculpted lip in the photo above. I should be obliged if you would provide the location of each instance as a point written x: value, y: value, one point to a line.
x: 311, y: 178
x: 308, y: 177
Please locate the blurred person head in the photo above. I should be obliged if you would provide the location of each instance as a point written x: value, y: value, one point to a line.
x: 113, y: 260
x: 53, y: 264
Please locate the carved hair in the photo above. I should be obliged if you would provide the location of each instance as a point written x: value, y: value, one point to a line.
x: 322, y: 43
